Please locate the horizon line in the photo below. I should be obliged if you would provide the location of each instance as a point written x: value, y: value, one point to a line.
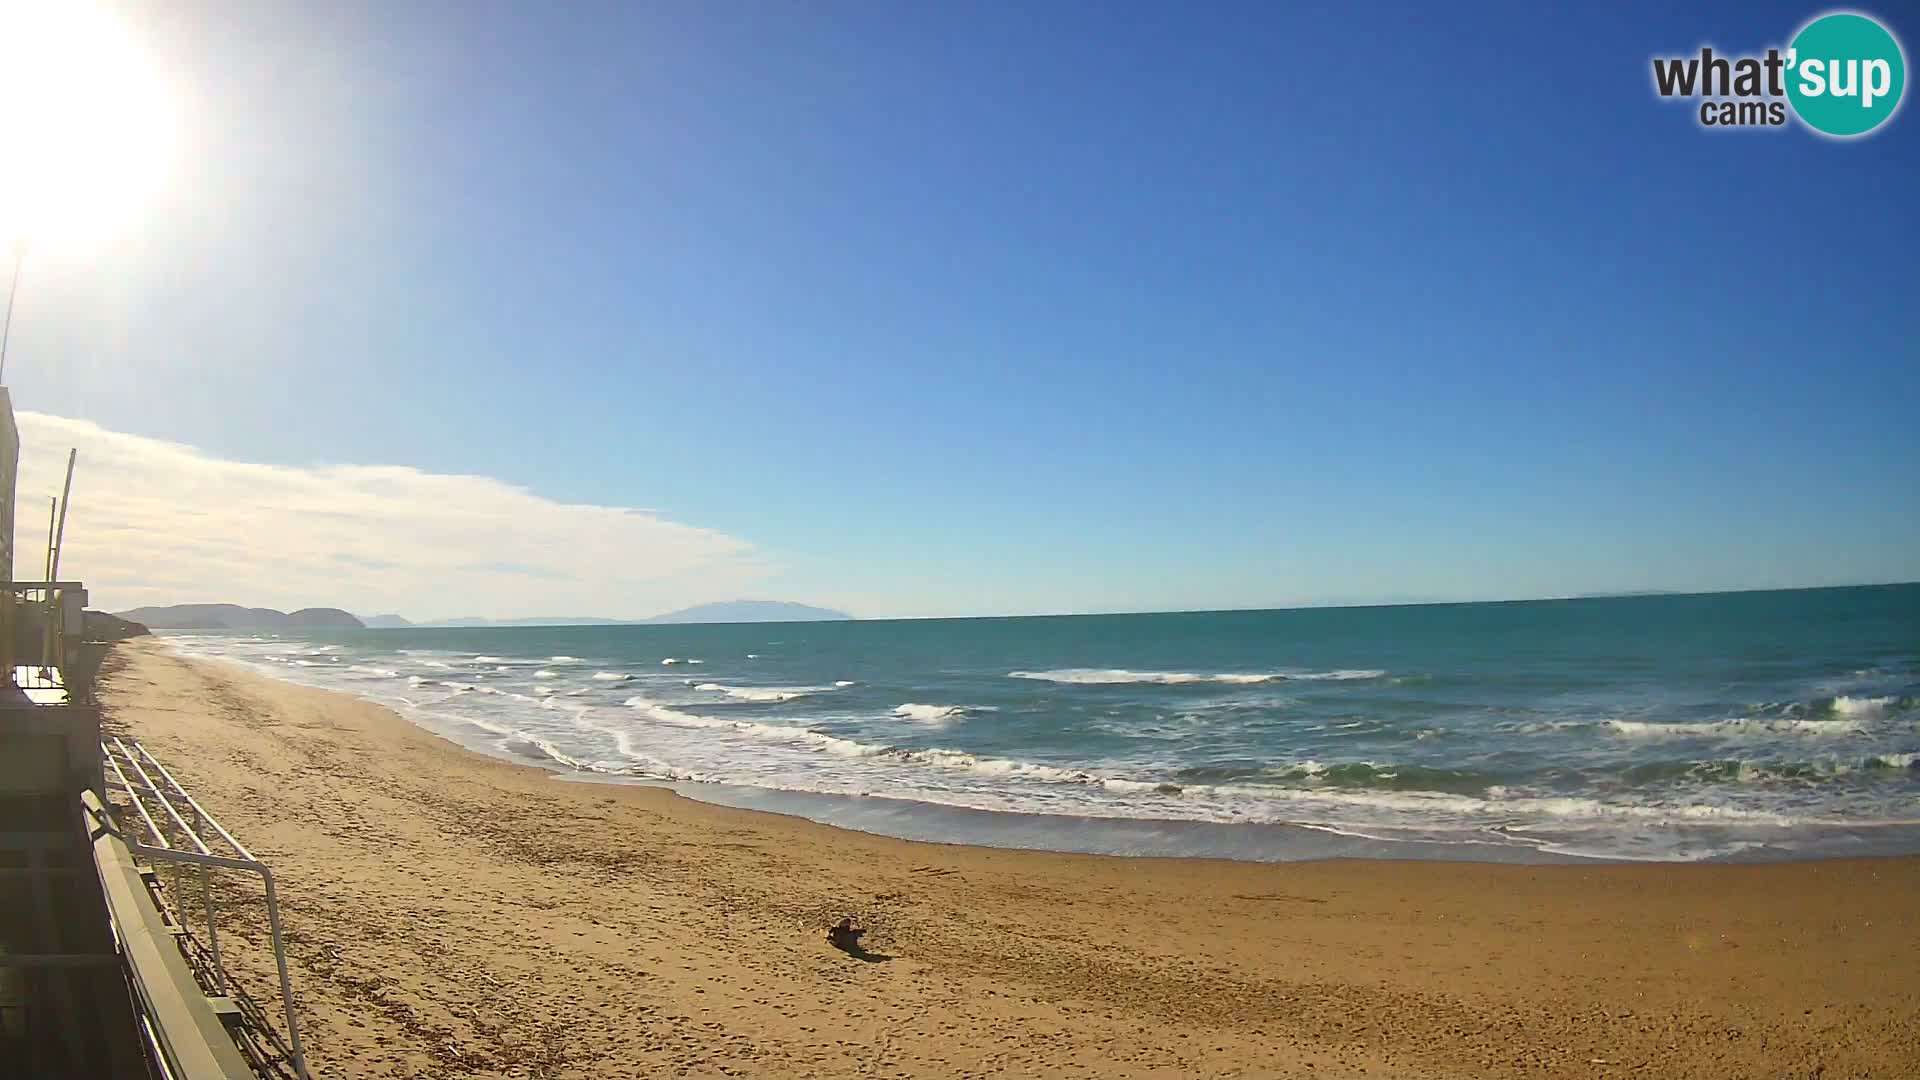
x: 1633, y: 594
x: 1630, y: 594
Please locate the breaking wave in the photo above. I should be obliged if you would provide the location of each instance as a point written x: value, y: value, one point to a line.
x: 1123, y: 676
x: 935, y: 715
x: 1286, y: 791
x: 1864, y: 706
x: 1743, y: 726
x: 761, y: 693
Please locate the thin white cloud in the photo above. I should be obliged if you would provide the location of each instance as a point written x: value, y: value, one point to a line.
x: 155, y: 522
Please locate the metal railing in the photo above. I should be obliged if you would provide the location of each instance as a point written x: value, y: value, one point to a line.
x: 169, y: 813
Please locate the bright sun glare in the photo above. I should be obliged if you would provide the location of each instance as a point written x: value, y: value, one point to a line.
x: 87, y: 126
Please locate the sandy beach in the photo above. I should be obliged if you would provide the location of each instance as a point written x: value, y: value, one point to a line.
x: 452, y: 915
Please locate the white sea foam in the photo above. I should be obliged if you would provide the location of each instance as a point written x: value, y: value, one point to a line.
x: 657, y: 710
x: 550, y: 750
x: 1735, y: 728
x: 755, y: 729
x: 543, y: 673
x: 1122, y: 676
x: 1354, y: 808
x: 627, y: 746
x: 612, y: 676
x: 1862, y: 706
x: 760, y: 693
x: 517, y: 740
x: 564, y: 659
x: 935, y: 715
x: 1535, y: 727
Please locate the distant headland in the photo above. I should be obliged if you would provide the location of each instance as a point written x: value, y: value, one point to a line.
x: 235, y: 617
x: 730, y: 611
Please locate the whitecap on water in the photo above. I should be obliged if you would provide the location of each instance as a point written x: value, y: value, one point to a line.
x: 1740, y: 726
x: 1861, y: 706
x: 759, y: 693
x: 935, y: 715
x: 1123, y: 676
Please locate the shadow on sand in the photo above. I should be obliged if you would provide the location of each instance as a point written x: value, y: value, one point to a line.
x: 861, y: 954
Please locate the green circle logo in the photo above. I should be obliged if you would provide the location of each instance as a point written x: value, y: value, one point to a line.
x: 1845, y: 74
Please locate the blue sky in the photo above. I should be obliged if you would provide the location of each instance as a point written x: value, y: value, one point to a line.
x: 1013, y: 308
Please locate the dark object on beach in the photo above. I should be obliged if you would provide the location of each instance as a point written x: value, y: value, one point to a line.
x: 845, y: 936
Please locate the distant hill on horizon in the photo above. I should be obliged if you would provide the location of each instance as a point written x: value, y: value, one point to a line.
x: 724, y: 611
x: 235, y: 617
x: 751, y: 611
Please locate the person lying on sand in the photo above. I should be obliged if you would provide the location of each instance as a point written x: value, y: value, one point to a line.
x: 845, y: 936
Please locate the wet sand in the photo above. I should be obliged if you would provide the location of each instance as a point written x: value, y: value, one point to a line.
x: 452, y: 915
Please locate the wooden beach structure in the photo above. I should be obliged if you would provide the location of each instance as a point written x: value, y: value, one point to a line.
x: 112, y: 875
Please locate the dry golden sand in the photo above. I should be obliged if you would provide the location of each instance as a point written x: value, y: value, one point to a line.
x: 456, y: 916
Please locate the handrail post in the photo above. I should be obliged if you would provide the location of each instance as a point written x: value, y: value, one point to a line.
x: 286, y: 983
x: 213, y: 928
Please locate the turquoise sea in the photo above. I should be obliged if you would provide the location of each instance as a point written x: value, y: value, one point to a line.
x: 1740, y: 725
